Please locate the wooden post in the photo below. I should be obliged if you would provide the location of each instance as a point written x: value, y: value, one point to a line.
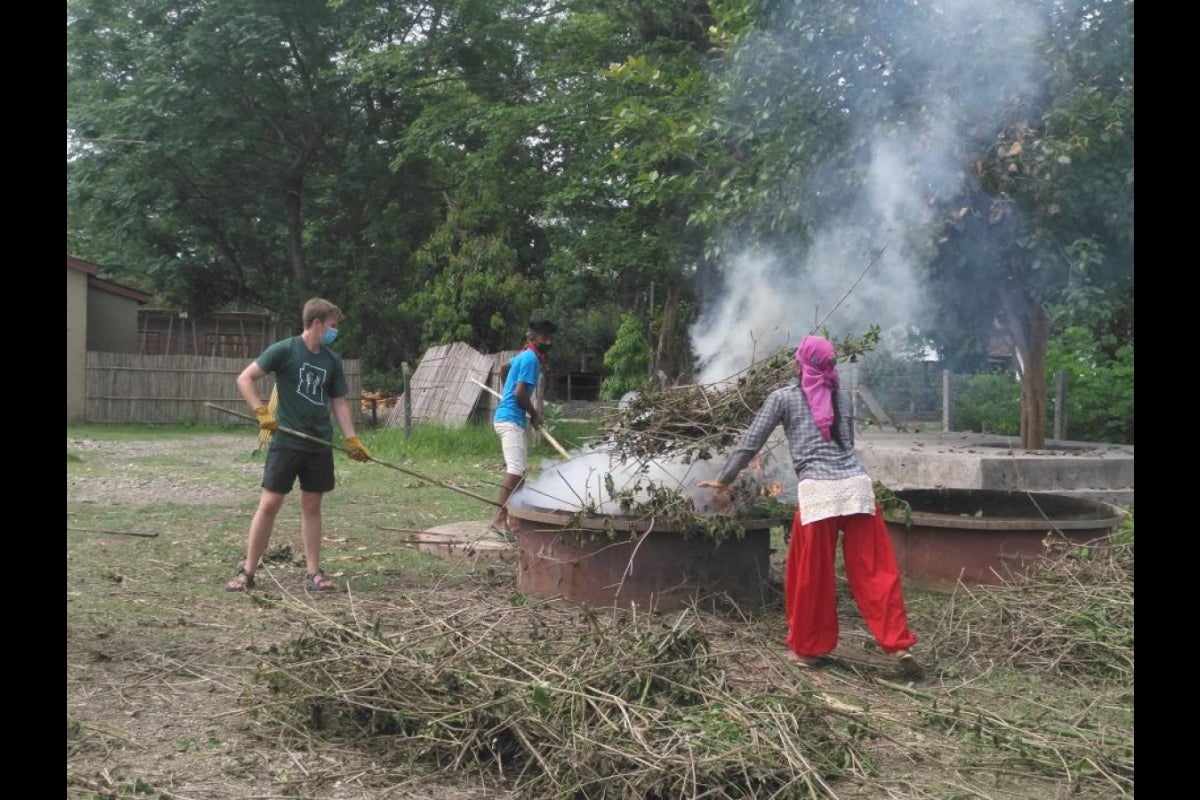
x: 947, y: 402
x: 406, y: 373
x: 1060, y: 405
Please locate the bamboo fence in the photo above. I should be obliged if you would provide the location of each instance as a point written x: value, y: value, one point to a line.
x: 133, y: 388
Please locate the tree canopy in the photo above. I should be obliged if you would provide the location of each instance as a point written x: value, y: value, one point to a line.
x: 447, y: 170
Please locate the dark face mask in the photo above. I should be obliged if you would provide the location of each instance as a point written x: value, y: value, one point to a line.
x: 544, y: 347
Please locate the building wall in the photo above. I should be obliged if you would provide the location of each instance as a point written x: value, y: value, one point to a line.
x: 236, y: 334
x: 111, y: 322
x: 77, y: 315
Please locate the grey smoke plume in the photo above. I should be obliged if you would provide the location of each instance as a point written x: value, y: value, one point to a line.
x: 863, y: 265
x: 965, y: 60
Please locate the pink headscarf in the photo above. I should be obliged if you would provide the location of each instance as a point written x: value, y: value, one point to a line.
x: 818, y: 379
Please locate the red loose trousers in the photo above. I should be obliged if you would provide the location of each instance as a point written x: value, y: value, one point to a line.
x: 810, y: 590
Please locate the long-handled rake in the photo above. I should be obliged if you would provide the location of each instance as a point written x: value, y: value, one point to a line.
x: 317, y: 440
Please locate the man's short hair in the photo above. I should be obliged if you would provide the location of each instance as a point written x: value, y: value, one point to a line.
x: 320, y: 309
x: 543, y: 327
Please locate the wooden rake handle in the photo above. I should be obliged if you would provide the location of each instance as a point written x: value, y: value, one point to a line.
x: 542, y: 430
x: 317, y: 440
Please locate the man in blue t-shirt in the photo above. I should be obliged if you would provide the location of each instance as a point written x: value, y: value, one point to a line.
x: 516, y: 401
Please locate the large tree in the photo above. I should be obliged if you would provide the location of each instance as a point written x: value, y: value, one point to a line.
x: 199, y: 129
x: 1012, y: 127
x: 1045, y: 222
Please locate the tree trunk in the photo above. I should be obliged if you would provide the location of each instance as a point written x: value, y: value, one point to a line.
x: 1033, y: 382
x: 1030, y: 329
x: 666, y: 334
x: 292, y: 187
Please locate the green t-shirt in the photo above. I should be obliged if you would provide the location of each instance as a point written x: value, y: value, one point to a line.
x: 306, y: 381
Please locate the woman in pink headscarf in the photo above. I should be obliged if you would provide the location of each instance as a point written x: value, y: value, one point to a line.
x: 835, y: 494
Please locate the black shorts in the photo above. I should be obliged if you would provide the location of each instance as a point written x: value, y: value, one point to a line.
x: 285, y: 464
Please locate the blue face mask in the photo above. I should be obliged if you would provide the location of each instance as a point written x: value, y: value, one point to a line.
x: 328, y: 336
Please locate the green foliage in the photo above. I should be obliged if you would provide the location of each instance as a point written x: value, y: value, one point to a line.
x: 1099, y: 387
x: 390, y: 381
x: 428, y: 441
x: 440, y: 170
x: 989, y: 402
x: 628, y: 359
x: 476, y: 440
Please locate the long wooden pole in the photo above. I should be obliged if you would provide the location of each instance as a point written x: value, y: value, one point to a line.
x: 148, y: 534
x: 542, y: 430
x: 317, y: 440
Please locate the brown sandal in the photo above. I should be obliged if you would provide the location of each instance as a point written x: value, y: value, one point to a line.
x: 317, y: 582
x: 241, y: 582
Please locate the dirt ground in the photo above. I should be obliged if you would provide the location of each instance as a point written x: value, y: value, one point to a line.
x: 161, y: 661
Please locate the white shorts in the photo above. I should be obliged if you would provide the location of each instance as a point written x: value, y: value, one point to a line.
x: 514, y: 445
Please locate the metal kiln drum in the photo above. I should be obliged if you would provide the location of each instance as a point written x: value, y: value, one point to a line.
x: 982, y: 536
x: 650, y: 567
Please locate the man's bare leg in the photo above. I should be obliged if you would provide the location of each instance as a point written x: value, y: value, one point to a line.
x: 261, y: 527
x: 310, y: 529
x: 510, y: 485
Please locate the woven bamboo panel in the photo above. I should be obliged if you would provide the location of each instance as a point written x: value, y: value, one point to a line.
x: 128, y: 387
x: 499, y: 361
x: 443, y: 388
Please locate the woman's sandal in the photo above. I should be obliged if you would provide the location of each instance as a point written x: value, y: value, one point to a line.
x: 241, y: 582
x: 909, y: 664
x: 317, y: 582
x: 805, y: 662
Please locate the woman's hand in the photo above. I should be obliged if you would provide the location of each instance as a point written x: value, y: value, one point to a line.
x: 722, y: 502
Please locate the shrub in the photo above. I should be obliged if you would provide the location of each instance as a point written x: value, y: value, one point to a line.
x: 1099, y: 390
x: 989, y: 402
x: 629, y: 359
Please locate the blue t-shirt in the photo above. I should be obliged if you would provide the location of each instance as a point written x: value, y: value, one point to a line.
x: 525, y: 368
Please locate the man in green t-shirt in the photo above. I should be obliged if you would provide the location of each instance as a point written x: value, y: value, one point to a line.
x: 310, y: 381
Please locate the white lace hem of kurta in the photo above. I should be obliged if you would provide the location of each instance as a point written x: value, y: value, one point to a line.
x: 835, y: 498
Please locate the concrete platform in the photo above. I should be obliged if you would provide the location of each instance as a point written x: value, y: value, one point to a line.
x: 931, y: 460
x: 456, y: 541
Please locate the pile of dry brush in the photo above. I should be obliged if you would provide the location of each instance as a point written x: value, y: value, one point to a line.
x: 555, y: 703
x: 1071, y: 614
x: 546, y: 701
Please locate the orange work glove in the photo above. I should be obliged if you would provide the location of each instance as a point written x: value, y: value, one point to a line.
x: 357, y: 450
x: 266, y: 420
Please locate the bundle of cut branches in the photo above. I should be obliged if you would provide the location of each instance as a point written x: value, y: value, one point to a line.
x: 699, y: 421
x: 553, y: 703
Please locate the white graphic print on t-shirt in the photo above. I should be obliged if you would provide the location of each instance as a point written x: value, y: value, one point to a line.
x: 311, y: 385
